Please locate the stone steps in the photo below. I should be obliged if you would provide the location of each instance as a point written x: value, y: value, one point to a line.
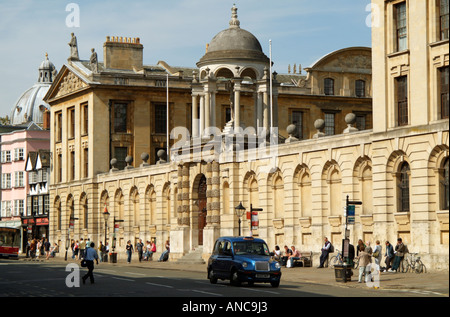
x: 193, y: 257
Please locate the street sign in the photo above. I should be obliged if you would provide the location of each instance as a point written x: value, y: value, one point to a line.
x: 351, y: 214
x: 255, y: 220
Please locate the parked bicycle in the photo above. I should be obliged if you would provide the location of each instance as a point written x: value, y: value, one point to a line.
x: 338, y: 260
x: 413, y: 263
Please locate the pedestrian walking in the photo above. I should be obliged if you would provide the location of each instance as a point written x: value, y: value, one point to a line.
x: 364, y: 264
x: 129, y: 249
x: 89, y: 257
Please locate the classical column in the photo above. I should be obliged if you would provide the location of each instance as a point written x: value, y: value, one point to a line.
x: 179, y: 197
x: 215, y: 193
x: 266, y: 113
x: 213, y: 109
x: 275, y: 109
x: 202, y: 115
x: 186, y: 201
x: 259, y: 111
x: 237, y: 105
x: 207, y: 109
x: 195, y: 116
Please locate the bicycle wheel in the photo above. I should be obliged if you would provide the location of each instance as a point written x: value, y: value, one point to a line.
x: 404, y: 266
x: 334, y: 261
x: 420, y: 267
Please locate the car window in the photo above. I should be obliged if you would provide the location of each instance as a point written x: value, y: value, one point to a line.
x: 250, y: 247
x: 222, y: 247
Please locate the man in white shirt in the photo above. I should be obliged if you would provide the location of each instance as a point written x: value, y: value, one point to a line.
x: 325, y: 251
x: 90, y: 255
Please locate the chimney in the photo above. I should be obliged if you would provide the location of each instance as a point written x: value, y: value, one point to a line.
x: 123, y: 53
x: 46, y: 122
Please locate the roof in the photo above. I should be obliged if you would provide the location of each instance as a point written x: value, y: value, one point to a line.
x: 234, y: 43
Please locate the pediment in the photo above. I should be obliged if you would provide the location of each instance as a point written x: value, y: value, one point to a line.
x: 66, y: 83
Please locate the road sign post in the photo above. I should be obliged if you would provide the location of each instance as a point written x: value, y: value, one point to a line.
x: 349, y: 219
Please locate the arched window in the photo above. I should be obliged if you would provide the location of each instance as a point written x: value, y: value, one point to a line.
x: 328, y: 86
x: 360, y: 88
x: 444, y: 180
x: 403, y: 188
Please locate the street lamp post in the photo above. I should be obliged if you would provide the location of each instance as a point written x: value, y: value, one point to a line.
x: 106, y: 217
x: 239, y: 212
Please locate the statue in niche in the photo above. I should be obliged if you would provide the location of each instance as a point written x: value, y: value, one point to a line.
x: 73, y: 48
x: 94, y: 61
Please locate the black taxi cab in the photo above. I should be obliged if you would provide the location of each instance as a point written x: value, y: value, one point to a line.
x: 243, y: 259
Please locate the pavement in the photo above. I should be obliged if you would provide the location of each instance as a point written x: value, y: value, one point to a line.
x: 430, y: 283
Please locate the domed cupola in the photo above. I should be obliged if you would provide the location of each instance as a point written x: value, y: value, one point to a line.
x: 30, y: 106
x: 47, y: 71
x: 233, y: 44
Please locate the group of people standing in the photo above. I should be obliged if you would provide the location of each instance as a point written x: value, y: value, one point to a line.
x: 364, y: 254
x: 145, y: 253
x: 38, y: 248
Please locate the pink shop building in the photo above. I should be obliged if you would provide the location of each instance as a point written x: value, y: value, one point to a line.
x: 16, y: 209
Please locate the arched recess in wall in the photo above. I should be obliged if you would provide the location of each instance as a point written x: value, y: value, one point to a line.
x: 134, y: 204
x: 167, y: 204
x: 57, y: 212
x: 70, y: 208
x: 398, y: 175
x: 226, y: 198
x: 250, y: 195
x: 276, y: 187
x: 150, y: 205
x: 438, y: 167
x: 84, y: 211
x: 397, y: 168
x: 332, y: 189
x: 104, y: 203
x: 438, y: 174
x: 303, y: 197
x: 362, y: 185
x: 119, y: 204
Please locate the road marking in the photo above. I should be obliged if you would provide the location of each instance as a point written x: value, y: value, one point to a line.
x: 207, y: 293
x: 170, y: 278
x: 261, y: 291
x: 123, y: 279
x: 105, y: 270
x: 132, y: 273
x: 154, y: 284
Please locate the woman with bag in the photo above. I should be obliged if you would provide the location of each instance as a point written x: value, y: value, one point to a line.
x: 377, y: 253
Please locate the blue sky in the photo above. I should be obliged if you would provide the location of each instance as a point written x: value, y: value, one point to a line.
x: 175, y: 31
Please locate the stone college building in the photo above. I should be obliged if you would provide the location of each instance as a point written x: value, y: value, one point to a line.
x: 169, y: 152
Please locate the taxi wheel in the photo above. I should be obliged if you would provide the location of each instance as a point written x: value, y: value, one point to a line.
x: 212, y: 278
x: 234, y: 280
x: 275, y: 283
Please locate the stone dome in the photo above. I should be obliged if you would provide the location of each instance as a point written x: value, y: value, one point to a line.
x: 30, y: 106
x: 233, y: 43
